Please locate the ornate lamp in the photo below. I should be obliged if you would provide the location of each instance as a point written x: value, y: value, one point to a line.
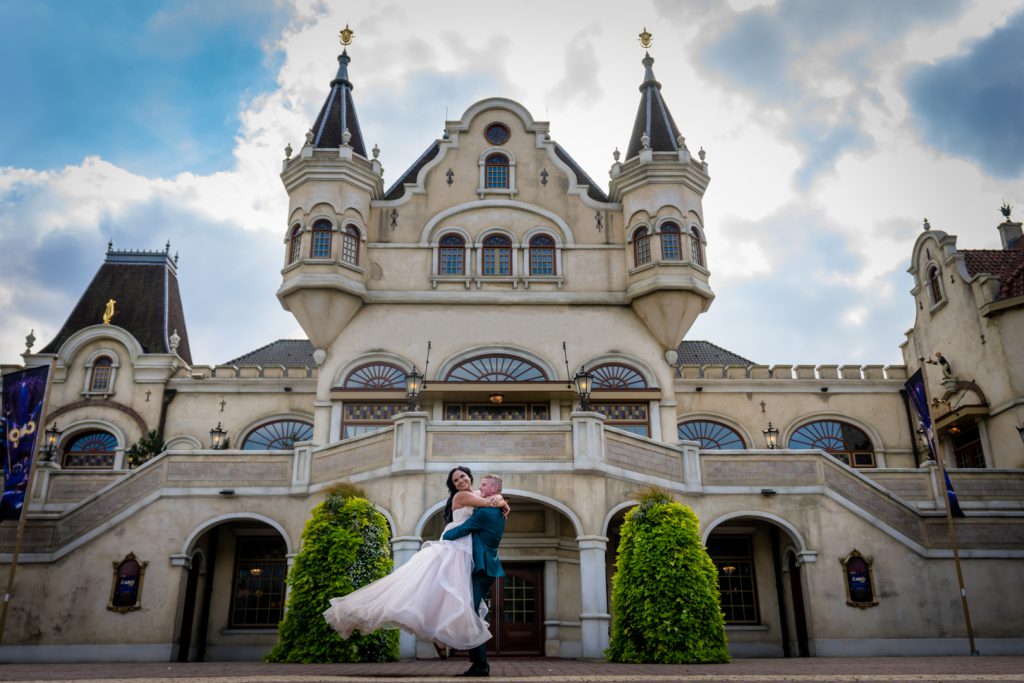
x: 583, y: 380
x: 413, y: 387
x: 771, y: 436
x: 50, y: 443
x: 217, y: 435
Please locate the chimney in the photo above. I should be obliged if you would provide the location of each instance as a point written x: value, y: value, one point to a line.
x: 1009, y: 233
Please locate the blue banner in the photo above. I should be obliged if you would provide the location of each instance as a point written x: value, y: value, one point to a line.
x: 919, y: 402
x: 23, y: 396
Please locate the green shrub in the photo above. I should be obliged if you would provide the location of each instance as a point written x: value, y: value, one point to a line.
x: 148, y: 446
x: 345, y: 545
x: 665, y: 605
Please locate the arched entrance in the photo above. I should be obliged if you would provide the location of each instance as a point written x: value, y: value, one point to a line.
x: 760, y: 585
x: 233, y: 590
x: 535, y: 608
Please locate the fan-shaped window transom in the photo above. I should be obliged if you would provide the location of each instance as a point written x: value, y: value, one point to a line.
x: 279, y: 435
x: 496, y: 368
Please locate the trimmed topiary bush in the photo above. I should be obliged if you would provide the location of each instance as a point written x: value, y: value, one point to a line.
x: 665, y: 605
x: 345, y: 546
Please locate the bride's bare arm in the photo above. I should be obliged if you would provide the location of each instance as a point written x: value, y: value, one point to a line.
x: 472, y: 499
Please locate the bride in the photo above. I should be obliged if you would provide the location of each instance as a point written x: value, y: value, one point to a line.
x: 431, y: 595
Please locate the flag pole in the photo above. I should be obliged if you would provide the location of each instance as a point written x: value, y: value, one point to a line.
x: 956, y: 558
x: 40, y: 431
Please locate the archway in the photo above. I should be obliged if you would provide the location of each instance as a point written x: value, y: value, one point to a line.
x: 232, y: 591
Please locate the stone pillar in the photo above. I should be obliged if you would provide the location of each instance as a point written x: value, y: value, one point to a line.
x: 403, y: 548
x: 587, y: 439
x: 321, y: 422
x: 302, y: 464
x: 594, y: 617
x: 691, y: 466
x: 410, y: 447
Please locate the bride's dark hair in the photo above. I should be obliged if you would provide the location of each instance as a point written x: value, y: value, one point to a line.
x: 452, y: 490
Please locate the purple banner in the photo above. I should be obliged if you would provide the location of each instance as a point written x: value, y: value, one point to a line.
x: 23, y: 395
x: 919, y: 402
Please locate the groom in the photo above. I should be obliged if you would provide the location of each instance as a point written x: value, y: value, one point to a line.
x: 487, y: 525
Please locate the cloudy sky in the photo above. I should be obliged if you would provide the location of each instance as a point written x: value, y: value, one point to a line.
x: 832, y: 129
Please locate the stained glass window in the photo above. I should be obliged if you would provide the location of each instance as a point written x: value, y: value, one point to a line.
x: 279, y: 435
x: 451, y: 256
x: 497, y: 255
x: 363, y: 418
x: 496, y: 368
x: 380, y: 376
x: 616, y: 376
x: 630, y: 417
x: 91, y: 449
x: 641, y: 247
x: 711, y: 435
x: 843, y: 441
x: 496, y: 171
x: 542, y: 255
x: 670, y: 249
x: 321, y: 240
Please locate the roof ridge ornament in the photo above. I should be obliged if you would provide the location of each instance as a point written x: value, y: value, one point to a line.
x: 345, y: 35
x: 645, y: 38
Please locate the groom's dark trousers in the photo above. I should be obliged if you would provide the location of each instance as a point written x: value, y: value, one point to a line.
x: 487, y: 526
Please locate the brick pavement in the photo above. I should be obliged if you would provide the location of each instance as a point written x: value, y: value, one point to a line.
x: 841, y: 670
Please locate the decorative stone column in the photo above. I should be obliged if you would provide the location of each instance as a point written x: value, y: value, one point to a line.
x: 587, y: 439
x: 302, y: 464
x: 594, y: 617
x: 403, y: 548
x: 410, y: 447
x: 691, y: 466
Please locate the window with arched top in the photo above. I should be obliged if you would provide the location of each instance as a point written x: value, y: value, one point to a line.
x: 496, y: 368
x: 380, y: 376
x: 542, y: 256
x: 92, y: 449
x: 350, y: 245
x: 321, y: 243
x: 641, y: 247
x: 710, y: 435
x: 497, y: 255
x: 496, y: 171
x: 451, y: 255
x: 841, y: 440
x: 126, y: 591
x: 279, y: 435
x: 935, y: 284
x: 102, y: 375
x: 670, y: 242
x: 615, y: 377
x: 295, y: 244
x: 696, y: 248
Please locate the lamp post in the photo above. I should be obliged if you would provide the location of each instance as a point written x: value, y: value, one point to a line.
x: 413, y: 387
x: 217, y: 435
x: 50, y: 444
x: 582, y: 379
x: 771, y: 437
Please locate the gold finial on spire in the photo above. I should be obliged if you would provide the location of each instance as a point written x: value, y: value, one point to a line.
x: 346, y: 35
x: 108, y: 311
x: 645, y: 38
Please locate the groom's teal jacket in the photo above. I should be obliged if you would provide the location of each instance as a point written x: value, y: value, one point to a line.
x: 487, y: 526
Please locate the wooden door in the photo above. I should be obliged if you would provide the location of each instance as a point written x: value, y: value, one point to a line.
x: 516, y: 604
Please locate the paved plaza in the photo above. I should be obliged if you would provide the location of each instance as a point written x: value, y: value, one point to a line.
x: 522, y: 670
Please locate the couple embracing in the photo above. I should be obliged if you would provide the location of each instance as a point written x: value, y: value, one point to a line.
x: 439, y: 593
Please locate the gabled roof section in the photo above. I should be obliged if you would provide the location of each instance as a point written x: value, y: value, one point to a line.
x: 339, y: 114
x: 291, y: 353
x: 145, y: 286
x: 1005, y: 264
x: 653, y: 117
x: 593, y: 191
x: 398, y: 188
x: 699, y: 352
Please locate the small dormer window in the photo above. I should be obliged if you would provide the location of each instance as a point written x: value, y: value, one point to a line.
x: 295, y: 244
x: 496, y: 172
x: 102, y: 374
x: 321, y: 247
x: 497, y: 134
x: 641, y: 247
x: 670, y: 246
x: 350, y: 245
x: 935, y: 284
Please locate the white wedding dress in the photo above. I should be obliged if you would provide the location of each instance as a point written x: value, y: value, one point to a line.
x: 431, y: 595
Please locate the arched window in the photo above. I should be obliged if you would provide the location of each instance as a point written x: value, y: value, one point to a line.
x: 321, y: 245
x: 496, y: 171
x: 542, y: 255
x: 279, y: 435
x: 670, y: 248
x: 102, y: 373
x: 127, y: 588
x: 616, y: 376
x: 696, y: 251
x: 641, y: 247
x: 710, y: 435
x: 380, y: 376
x: 94, y: 448
x: 497, y: 257
x: 935, y: 284
x: 295, y: 244
x: 350, y: 245
x: 496, y: 368
x: 843, y: 441
x: 451, y: 255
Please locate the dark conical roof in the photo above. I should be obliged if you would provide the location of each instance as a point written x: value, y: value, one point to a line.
x: 653, y: 117
x: 339, y: 114
x: 145, y: 286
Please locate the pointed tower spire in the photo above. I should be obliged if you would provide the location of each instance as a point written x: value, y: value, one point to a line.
x: 338, y: 114
x: 654, y: 126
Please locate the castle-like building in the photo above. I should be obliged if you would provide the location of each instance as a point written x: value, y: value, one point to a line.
x: 498, y: 308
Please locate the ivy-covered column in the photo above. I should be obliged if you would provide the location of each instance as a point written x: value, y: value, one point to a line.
x: 402, y: 549
x: 594, y: 617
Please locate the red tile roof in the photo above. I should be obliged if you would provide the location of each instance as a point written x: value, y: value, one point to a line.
x: 1005, y: 264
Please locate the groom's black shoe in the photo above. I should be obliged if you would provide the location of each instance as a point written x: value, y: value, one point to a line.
x: 477, y: 672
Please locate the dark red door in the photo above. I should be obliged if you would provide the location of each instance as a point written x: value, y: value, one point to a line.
x: 516, y: 605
